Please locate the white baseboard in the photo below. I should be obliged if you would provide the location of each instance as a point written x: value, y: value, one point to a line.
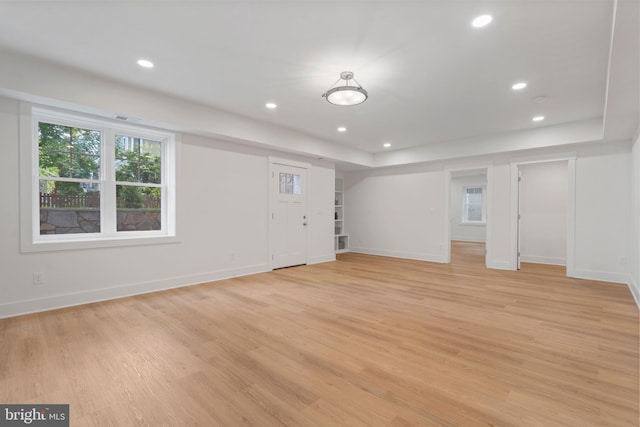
x: 399, y: 254
x: 77, y: 298
x: 321, y: 259
x: 543, y: 260
x: 500, y: 265
x: 603, y: 276
x: 635, y: 290
x: 468, y: 239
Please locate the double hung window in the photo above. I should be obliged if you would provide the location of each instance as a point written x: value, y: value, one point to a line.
x: 473, y: 205
x: 96, y: 180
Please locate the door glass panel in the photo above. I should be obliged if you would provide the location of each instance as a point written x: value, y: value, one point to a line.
x: 290, y: 184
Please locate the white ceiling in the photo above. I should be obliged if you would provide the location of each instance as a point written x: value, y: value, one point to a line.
x: 431, y: 77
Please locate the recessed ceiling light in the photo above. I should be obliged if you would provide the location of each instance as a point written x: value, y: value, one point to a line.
x: 145, y: 63
x: 270, y: 105
x: 386, y: 145
x: 538, y: 118
x: 519, y: 86
x: 342, y: 129
x: 481, y: 21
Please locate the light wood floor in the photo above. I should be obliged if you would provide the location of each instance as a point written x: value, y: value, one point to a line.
x: 364, y: 341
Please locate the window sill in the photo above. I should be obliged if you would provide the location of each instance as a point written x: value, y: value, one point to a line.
x: 474, y: 224
x: 103, y: 242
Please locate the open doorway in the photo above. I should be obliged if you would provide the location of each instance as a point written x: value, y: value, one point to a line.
x: 565, y: 178
x: 468, y: 216
x: 542, y: 213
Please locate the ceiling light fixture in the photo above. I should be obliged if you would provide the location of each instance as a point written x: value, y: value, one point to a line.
x: 145, y: 63
x: 386, y: 145
x: 482, y: 21
x: 519, y: 86
x: 342, y: 129
x: 538, y: 118
x: 270, y: 105
x: 346, y: 94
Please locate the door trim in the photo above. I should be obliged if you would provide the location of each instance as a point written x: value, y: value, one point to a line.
x: 273, y: 161
x: 446, y: 245
x: 570, y: 158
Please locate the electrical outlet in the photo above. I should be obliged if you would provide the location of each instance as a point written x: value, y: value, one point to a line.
x: 38, y: 278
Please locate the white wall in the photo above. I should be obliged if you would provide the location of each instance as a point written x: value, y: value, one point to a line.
x: 543, y: 212
x: 634, y: 252
x: 458, y: 230
x: 398, y: 212
x: 603, y: 189
x: 222, y: 224
x: 499, y: 235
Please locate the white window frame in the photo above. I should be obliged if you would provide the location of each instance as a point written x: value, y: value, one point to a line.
x: 463, y: 215
x: 33, y: 241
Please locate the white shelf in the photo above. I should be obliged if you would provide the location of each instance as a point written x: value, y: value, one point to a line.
x: 340, y: 239
x: 341, y: 243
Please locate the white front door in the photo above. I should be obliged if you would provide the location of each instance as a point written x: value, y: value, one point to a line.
x: 289, y: 218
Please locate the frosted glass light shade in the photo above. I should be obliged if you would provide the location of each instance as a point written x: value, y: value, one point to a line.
x: 346, y: 95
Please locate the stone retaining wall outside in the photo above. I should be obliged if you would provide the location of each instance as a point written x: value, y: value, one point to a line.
x: 79, y: 220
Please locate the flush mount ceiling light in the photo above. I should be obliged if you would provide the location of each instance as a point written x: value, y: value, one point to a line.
x: 538, y: 118
x: 519, y: 86
x: 386, y: 145
x: 346, y: 94
x: 271, y: 105
x: 342, y: 129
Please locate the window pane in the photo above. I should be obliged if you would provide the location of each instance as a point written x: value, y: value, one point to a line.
x: 68, y: 152
x: 474, y: 213
x: 289, y: 183
x: 474, y: 190
x: 296, y: 184
x: 138, y: 160
x: 473, y: 202
x: 69, y: 207
x: 474, y: 199
x: 138, y: 208
x: 283, y: 182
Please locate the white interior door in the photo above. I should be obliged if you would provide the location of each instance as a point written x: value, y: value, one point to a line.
x: 289, y: 218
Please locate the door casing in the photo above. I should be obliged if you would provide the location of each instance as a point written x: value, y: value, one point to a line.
x: 275, y: 165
